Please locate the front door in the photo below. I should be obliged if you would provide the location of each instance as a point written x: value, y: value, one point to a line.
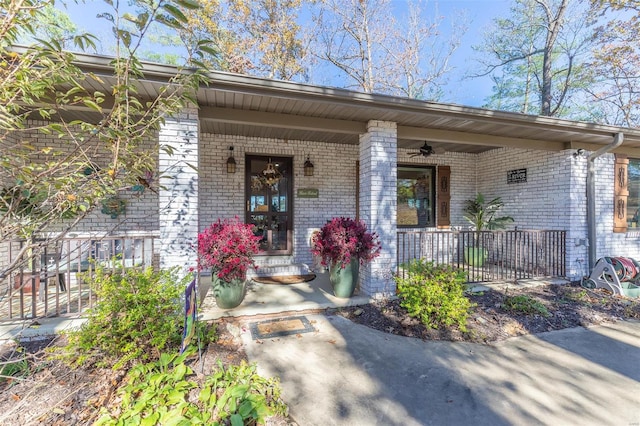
x: 269, y: 187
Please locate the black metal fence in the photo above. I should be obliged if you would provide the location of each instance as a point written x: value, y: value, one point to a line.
x: 488, y: 255
x: 50, y: 279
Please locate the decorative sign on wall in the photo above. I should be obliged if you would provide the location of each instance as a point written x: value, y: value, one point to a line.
x: 517, y: 176
x: 308, y: 193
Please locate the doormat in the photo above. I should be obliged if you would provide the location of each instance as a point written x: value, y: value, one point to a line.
x: 280, y: 327
x: 284, y: 279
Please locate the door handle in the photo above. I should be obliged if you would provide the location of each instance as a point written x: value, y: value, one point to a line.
x: 248, y: 207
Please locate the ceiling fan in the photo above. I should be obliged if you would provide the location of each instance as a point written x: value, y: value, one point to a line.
x: 425, y: 151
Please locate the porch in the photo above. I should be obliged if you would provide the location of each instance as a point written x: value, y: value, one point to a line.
x: 510, y: 255
x: 61, y: 290
x: 266, y: 299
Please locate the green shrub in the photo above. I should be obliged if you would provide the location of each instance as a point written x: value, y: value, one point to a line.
x: 159, y: 393
x: 137, y: 316
x: 239, y: 394
x: 525, y: 305
x: 434, y: 294
x: 154, y: 393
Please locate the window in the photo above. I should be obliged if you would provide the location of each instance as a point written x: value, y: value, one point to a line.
x: 416, y: 196
x: 633, y: 200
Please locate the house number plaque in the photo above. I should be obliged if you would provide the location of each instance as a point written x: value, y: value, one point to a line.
x: 517, y: 176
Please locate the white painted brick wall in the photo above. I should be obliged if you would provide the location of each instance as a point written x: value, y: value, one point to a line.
x: 179, y: 195
x: 540, y: 203
x: 554, y: 196
x: 222, y: 194
x: 378, y: 204
x: 141, y: 212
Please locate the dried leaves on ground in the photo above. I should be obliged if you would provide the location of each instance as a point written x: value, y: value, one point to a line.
x: 514, y: 311
x: 48, y: 392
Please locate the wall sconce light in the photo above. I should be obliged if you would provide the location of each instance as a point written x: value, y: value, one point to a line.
x: 579, y: 153
x: 308, y: 167
x: 231, y: 162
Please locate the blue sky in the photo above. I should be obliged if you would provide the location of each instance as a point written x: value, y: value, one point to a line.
x: 471, y: 92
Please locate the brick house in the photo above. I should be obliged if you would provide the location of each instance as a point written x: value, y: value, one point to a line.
x: 361, y: 146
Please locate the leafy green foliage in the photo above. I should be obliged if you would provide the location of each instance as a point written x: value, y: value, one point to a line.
x: 137, y: 316
x: 538, y: 56
x: 44, y: 152
x: 155, y: 393
x: 159, y: 393
x: 482, y: 214
x: 434, y: 294
x: 526, y: 305
x: 13, y: 368
x: 241, y: 395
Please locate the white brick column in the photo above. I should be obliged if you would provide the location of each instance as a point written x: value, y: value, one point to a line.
x: 178, y: 195
x: 378, y: 203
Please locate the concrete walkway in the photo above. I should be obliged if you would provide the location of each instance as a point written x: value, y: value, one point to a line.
x: 348, y: 374
x: 342, y: 373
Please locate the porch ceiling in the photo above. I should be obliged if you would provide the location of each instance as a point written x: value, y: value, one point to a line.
x: 255, y: 107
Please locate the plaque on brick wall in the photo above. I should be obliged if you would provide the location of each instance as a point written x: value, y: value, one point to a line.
x: 517, y: 176
x: 308, y: 193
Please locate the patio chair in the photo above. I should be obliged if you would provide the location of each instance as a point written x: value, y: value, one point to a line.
x: 72, y: 256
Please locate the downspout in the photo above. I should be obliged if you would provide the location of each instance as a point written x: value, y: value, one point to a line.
x: 591, y: 196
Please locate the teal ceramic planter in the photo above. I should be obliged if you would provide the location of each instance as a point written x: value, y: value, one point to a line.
x: 344, y: 280
x: 475, y: 256
x: 228, y: 294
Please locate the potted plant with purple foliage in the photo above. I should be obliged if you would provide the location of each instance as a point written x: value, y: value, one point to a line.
x: 227, y: 248
x: 344, y: 244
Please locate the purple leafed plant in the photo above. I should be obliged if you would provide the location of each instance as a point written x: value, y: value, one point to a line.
x: 343, y: 239
x: 228, y: 247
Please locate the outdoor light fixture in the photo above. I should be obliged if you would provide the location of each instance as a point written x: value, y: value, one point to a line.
x: 579, y: 153
x: 231, y: 162
x: 308, y: 167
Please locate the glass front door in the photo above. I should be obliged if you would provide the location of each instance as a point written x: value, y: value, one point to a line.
x: 269, y: 202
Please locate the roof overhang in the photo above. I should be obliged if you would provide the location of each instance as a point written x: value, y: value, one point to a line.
x: 257, y: 107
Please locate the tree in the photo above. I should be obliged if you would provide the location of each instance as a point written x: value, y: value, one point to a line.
x: 616, y: 61
x: 55, y: 171
x: 375, y: 53
x: 537, y: 56
x: 258, y: 37
x: 419, y: 55
x: 53, y: 24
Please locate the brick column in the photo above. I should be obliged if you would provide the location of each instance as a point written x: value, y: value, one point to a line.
x: 178, y: 195
x: 378, y: 203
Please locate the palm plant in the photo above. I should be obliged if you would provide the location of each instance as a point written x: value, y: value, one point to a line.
x: 482, y: 215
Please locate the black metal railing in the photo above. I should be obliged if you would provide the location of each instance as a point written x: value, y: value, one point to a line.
x: 498, y: 255
x: 48, y: 280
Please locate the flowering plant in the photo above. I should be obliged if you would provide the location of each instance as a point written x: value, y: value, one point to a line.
x: 228, y: 247
x: 342, y: 239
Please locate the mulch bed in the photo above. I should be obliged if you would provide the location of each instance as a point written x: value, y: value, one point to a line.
x: 568, y: 305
